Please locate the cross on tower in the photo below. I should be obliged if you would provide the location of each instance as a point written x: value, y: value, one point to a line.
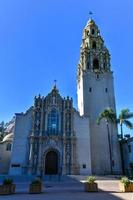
x: 55, y: 81
x: 90, y: 13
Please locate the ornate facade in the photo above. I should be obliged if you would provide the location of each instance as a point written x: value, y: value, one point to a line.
x: 48, y: 139
x: 53, y: 135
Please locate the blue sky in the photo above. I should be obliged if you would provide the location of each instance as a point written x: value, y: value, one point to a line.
x: 40, y: 41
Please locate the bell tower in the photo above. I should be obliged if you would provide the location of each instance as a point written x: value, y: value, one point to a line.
x: 95, y: 90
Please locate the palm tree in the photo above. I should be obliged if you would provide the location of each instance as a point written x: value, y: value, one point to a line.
x: 123, y: 120
x: 110, y: 117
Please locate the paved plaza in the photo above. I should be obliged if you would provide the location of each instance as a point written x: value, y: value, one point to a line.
x: 71, y: 189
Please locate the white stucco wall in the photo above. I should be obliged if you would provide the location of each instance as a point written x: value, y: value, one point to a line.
x: 20, y: 149
x: 5, y: 157
x: 127, y: 149
x: 81, y: 128
x: 94, y: 102
x: 80, y: 96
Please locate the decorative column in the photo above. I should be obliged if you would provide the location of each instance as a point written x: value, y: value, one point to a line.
x: 31, y: 156
x: 40, y: 153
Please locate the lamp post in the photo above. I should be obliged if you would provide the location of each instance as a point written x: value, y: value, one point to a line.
x: 110, y: 152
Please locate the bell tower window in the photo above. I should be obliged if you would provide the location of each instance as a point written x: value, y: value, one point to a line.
x: 94, y: 45
x: 93, y: 31
x: 95, y: 64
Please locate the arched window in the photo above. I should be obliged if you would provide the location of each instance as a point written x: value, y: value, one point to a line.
x: 8, y: 147
x: 95, y: 64
x: 53, y: 122
x: 94, y: 45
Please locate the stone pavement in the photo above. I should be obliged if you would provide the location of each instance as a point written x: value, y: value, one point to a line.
x: 71, y: 189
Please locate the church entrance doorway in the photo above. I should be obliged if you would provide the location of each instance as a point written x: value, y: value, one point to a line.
x: 51, y: 163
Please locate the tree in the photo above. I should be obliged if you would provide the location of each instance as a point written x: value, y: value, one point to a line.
x: 109, y: 116
x: 2, y: 128
x: 123, y: 119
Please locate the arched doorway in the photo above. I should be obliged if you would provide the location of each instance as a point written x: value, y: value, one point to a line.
x: 51, y: 163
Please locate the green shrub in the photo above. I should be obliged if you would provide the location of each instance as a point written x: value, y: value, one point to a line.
x: 91, y: 179
x: 125, y: 181
x: 7, y: 181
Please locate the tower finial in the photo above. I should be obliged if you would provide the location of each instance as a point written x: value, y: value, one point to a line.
x: 55, y: 81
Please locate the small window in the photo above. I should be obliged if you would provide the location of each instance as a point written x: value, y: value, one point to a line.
x: 129, y: 148
x: 93, y: 31
x: 97, y: 76
x: 113, y: 163
x: 106, y: 90
x: 90, y: 89
x: 84, y: 166
x: 8, y: 147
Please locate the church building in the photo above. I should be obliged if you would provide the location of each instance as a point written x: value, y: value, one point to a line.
x: 52, y: 137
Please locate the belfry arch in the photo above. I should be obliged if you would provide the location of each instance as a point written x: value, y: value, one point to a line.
x: 95, y: 64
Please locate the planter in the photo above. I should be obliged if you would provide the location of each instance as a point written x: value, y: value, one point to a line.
x: 91, y: 187
x: 35, y: 188
x: 7, y: 189
x: 124, y: 188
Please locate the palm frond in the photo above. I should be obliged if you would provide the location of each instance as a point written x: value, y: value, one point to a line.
x: 128, y: 124
x: 99, y: 119
x: 118, y: 120
x: 108, y: 114
x: 129, y: 115
x: 123, y: 113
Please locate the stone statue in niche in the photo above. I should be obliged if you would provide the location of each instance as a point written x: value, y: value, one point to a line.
x: 36, y: 146
x: 37, y: 122
x: 52, y: 142
x: 38, y: 114
x: 67, y: 158
x: 53, y: 100
x: 35, y: 159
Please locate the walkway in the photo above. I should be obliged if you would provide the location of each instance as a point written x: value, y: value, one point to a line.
x: 71, y: 189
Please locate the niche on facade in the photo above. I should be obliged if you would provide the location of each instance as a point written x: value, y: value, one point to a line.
x: 88, y: 65
x: 104, y: 66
